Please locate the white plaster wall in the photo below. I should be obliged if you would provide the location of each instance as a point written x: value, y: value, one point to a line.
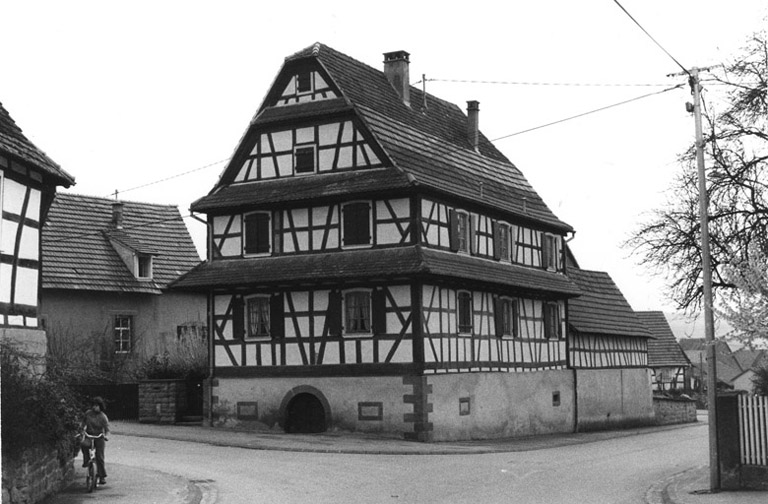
x: 501, y: 404
x: 613, y: 398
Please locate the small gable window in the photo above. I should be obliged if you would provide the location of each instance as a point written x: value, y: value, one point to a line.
x: 304, y: 159
x: 356, y: 224
x: 464, y: 312
x: 258, y: 232
x: 304, y: 82
x: 144, y: 267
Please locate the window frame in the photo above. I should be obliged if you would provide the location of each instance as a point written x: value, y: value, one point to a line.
x: 504, y: 230
x: 346, y: 332
x: 118, y: 332
x: 553, y: 323
x: 265, y: 298
x: 269, y: 233
x: 549, y: 252
x: 343, y: 240
x: 468, y: 328
x: 150, y: 266
x: 310, y: 78
x: 462, y: 235
x: 510, y: 306
x: 296, y: 149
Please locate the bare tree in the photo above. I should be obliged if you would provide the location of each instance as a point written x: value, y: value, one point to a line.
x: 736, y: 146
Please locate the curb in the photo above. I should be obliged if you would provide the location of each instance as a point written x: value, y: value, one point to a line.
x: 659, y: 493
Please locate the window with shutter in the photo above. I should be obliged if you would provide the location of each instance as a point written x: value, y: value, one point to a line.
x: 549, y: 252
x: 460, y: 231
x: 304, y: 82
x: 464, y: 315
x: 507, y: 317
x: 357, y: 310
x: 552, y: 326
x: 356, y: 224
x: 257, y: 314
x: 258, y: 233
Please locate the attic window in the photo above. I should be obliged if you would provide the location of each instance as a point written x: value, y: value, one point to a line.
x: 144, y: 267
x: 304, y: 82
x: 304, y: 159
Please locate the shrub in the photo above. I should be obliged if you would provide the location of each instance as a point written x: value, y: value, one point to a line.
x: 37, y: 409
x: 760, y: 381
x: 186, y: 358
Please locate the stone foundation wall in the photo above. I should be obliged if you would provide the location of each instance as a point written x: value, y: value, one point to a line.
x: 162, y: 401
x: 37, y: 474
x: 674, y: 411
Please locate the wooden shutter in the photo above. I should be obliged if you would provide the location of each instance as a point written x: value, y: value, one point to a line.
x: 496, y: 240
x: 453, y: 230
x: 471, y: 238
x: 498, y: 316
x: 379, y: 312
x: 357, y: 224
x: 514, y: 317
x: 257, y: 233
x: 276, y: 316
x: 333, y: 315
x: 545, y: 251
x: 238, y: 318
x: 552, y: 326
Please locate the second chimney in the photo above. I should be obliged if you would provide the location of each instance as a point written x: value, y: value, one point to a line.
x: 473, y: 124
x: 396, y: 69
x: 117, y: 214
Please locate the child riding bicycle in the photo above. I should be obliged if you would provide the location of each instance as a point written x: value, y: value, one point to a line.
x: 95, y: 422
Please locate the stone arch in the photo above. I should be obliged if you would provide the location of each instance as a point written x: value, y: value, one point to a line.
x: 305, y: 409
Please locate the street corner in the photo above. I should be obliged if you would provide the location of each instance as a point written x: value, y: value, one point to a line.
x: 670, y: 489
x: 128, y: 485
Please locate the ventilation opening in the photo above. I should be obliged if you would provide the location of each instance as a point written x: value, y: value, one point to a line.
x: 305, y: 415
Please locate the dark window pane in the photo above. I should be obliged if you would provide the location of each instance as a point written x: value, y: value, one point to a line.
x: 465, y: 312
x: 357, y: 224
x: 257, y: 232
x: 304, y: 82
x: 305, y: 159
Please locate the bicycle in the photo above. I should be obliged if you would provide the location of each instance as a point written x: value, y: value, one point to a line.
x: 91, y: 476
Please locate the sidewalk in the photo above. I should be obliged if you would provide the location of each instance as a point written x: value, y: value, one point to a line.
x: 692, y: 487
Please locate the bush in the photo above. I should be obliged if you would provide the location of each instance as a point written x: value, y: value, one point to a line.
x: 760, y: 381
x: 186, y: 358
x: 37, y: 410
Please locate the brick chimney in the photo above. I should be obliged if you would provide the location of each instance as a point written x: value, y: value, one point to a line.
x: 117, y: 214
x: 473, y: 124
x: 396, y: 69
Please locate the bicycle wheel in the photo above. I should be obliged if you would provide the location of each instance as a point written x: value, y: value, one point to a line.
x: 90, y: 480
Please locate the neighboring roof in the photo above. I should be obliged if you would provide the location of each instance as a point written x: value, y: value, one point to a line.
x: 699, y: 345
x: 751, y: 359
x: 602, y: 308
x: 430, y: 145
x: 664, y: 349
x: 389, y: 263
x: 77, y: 253
x: 13, y: 142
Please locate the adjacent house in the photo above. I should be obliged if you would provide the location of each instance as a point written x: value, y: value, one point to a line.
x: 28, y: 181
x: 376, y: 264
x: 666, y: 358
x: 106, y: 274
x: 608, y: 347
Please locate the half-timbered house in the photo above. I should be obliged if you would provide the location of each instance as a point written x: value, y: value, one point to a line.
x: 105, y: 282
x: 376, y: 264
x: 28, y: 181
x: 668, y: 363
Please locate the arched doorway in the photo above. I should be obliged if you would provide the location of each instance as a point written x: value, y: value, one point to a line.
x: 305, y: 414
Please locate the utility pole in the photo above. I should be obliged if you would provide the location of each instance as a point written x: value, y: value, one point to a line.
x: 706, y: 270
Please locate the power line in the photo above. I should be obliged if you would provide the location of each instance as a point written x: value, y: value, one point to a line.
x: 650, y: 37
x: 116, y: 192
x: 534, y: 83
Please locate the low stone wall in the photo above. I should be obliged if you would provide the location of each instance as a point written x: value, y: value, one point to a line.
x: 162, y: 401
x: 670, y: 410
x: 37, y: 474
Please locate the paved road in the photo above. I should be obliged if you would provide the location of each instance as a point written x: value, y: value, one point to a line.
x: 615, y: 471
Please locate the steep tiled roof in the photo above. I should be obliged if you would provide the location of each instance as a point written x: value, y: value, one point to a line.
x: 77, y: 253
x: 430, y: 145
x: 751, y: 359
x: 13, y: 142
x: 664, y: 350
x: 602, y: 308
x: 404, y: 262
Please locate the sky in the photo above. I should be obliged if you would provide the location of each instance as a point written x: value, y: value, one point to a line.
x: 150, y: 98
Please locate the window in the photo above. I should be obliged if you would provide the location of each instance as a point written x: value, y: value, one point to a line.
x: 191, y: 331
x: 258, y: 233
x: 464, y: 307
x: 304, y: 159
x: 552, y: 326
x: 502, y: 241
x: 123, y: 330
x: 461, y: 231
x: 144, y: 268
x: 357, y: 224
x: 549, y: 252
x: 257, y: 313
x: 507, y: 317
x: 304, y: 82
x: 358, y: 312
